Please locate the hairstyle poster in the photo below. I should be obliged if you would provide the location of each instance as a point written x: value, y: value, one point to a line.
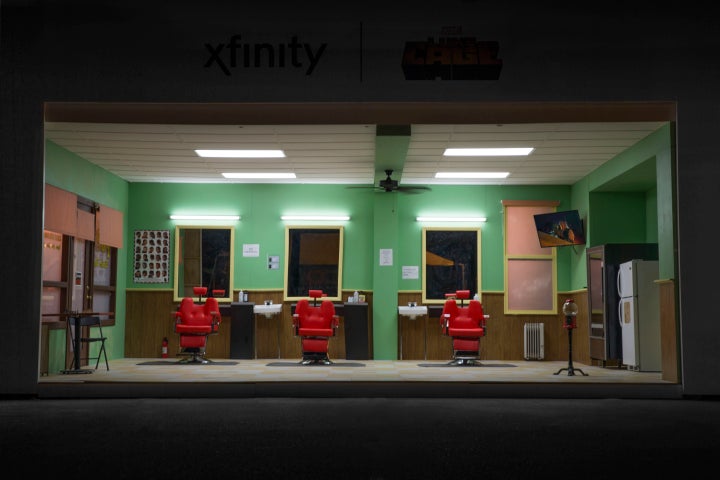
x: 151, y: 256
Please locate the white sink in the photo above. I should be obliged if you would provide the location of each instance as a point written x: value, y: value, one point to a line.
x: 412, y: 312
x: 268, y: 310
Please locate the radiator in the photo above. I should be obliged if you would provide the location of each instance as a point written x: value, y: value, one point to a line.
x: 534, y: 341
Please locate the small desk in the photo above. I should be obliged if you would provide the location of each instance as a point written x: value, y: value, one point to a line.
x: 73, y: 320
x: 412, y: 313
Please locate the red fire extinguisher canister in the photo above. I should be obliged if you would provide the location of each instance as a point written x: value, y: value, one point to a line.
x: 165, y: 347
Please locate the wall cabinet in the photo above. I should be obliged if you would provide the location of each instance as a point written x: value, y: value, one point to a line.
x: 602, y: 267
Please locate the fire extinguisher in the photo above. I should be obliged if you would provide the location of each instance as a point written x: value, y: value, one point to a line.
x: 165, y: 348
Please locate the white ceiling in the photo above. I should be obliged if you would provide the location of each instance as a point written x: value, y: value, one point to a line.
x: 348, y: 153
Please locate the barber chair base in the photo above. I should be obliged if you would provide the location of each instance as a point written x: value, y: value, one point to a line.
x: 315, y: 359
x: 194, y: 356
x: 465, y: 362
x: 465, y: 359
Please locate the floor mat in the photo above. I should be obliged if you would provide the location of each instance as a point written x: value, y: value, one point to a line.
x: 465, y: 366
x: 298, y: 364
x: 175, y: 362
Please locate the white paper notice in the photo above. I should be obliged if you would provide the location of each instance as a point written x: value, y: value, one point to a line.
x: 386, y: 257
x: 251, y: 250
x: 410, y: 272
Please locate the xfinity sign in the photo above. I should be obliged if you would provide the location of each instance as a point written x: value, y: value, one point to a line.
x: 237, y: 53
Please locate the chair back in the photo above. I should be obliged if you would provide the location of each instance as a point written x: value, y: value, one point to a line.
x: 191, y: 313
x: 315, y: 316
x: 470, y: 316
x: 315, y: 319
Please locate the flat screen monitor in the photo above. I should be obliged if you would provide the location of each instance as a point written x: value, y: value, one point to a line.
x: 560, y: 229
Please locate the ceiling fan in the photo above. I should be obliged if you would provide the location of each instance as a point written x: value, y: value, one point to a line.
x: 390, y: 185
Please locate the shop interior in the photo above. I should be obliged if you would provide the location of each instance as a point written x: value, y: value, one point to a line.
x: 366, y: 225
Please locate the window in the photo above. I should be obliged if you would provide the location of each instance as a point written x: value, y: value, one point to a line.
x: 77, y: 276
x: 313, y: 261
x: 451, y: 262
x: 530, y: 271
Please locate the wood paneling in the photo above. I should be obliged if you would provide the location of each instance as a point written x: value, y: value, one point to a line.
x: 150, y: 316
x: 85, y: 225
x: 110, y: 223
x: 668, y: 332
x: 422, y: 338
x: 60, y: 210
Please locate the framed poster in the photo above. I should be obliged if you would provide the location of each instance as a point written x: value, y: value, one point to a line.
x: 151, y: 256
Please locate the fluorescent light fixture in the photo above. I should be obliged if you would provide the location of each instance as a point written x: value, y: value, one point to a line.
x: 241, y: 153
x: 315, y: 217
x: 204, y: 217
x: 472, y: 174
x: 451, y: 219
x: 487, y: 152
x: 258, y: 175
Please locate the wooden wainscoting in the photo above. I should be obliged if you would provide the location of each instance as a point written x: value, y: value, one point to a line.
x: 150, y: 316
x: 669, y: 343
x: 422, y: 339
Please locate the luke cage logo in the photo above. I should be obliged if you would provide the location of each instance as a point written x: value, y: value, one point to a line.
x: 238, y: 54
x: 451, y: 59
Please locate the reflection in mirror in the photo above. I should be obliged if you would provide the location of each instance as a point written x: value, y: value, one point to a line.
x: 313, y: 260
x: 204, y: 258
x: 451, y: 261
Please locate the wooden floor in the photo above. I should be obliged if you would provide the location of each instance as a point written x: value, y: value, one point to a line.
x: 153, y: 377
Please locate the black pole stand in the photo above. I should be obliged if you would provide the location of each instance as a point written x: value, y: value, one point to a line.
x: 570, y: 369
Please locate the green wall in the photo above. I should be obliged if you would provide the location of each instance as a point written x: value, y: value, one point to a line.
x: 631, y: 211
x: 67, y: 171
x: 377, y: 219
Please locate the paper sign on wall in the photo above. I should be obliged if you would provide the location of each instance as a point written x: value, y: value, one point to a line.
x: 410, y: 272
x: 386, y: 257
x: 251, y: 249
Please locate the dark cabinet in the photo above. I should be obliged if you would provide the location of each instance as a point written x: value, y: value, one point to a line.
x: 357, y: 331
x: 604, y: 323
x: 242, y: 330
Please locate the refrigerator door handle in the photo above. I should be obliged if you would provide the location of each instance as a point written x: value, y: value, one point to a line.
x: 617, y: 283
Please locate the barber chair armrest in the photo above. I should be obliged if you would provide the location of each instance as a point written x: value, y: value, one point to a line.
x: 215, y: 320
x: 335, y: 324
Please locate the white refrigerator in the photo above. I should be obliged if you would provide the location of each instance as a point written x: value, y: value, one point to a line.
x: 639, y: 315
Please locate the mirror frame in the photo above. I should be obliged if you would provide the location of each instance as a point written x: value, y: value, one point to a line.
x: 469, y: 244
x: 289, y: 261
x: 176, y: 260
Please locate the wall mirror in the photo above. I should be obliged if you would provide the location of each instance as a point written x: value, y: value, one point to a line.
x: 204, y: 258
x: 450, y: 262
x: 313, y: 260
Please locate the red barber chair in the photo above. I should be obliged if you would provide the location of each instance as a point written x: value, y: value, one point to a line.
x: 465, y: 324
x: 194, y: 322
x: 315, y: 324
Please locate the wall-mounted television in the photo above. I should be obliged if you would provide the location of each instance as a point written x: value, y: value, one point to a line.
x: 560, y: 229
